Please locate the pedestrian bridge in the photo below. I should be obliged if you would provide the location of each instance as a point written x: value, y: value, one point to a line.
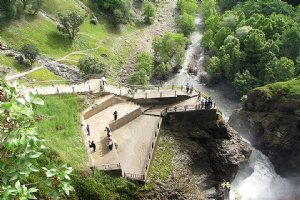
x: 136, y: 131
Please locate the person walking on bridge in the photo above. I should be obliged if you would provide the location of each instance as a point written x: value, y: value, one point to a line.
x: 92, y: 145
x: 115, y: 115
x: 107, y: 131
x: 187, y: 87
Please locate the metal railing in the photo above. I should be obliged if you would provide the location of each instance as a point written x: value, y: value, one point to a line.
x: 139, y: 177
x: 108, y: 167
x: 186, y: 108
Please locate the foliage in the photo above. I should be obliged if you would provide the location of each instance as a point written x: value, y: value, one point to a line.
x: 144, y: 60
x: 251, y: 43
x: 149, y: 13
x: 21, y: 146
x: 186, y: 23
x: 282, y: 69
x: 140, y: 77
x: 119, y: 8
x: 169, y: 48
x: 14, y: 8
x: 244, y: 82
x: 69, y: 23
x: 187, y: 6
x: 163, y: 71
x: 30, y: 52
x: 92, y: 65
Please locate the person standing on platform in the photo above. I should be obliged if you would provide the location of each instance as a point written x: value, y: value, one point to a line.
x: 115, y: 115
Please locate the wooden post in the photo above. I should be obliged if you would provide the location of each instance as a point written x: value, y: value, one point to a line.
x: 160, y: 94
x: 73, y: 89
x: 57, y: 90
x: 89, y: 88
x: 145, y: 95
x: 36, y: 91
x: 120, y: 92
x: 172, y: 86
x: 175, y: 93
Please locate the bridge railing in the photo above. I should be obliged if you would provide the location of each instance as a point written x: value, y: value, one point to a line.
x: 139, y: 177
x: 189, y: 108
x: 110, y: 167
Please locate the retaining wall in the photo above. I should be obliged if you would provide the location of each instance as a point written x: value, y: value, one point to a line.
x: 102, y: 106
x: 125, y: 119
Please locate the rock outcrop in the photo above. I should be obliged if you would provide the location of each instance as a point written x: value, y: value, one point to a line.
x: 270, y: 120
x: 207, y: 154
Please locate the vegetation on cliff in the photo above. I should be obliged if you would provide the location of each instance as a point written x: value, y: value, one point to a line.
x: 253, y: 43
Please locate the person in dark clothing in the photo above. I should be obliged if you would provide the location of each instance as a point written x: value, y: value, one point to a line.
x: 209, y: 103
x: 88, y: 130
x: 92, y: 145
x: 115, y: 115
x: 110, y: 145
x: 107, y: 131
x: 187, y: 87
x: 206, y: 104
x: 202, y: 103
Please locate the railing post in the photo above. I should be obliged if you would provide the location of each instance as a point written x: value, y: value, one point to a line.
x: 89, y: 88
x: 172, y: 86
x: 181, y: 87
x: 145, y: 95
x: 185, y: 107
x: 57, y: 90
x: 175, y: 93
x: 73, y: 89
x: 158, y: 88
x: 175, y: 108
x: 160, y: 94
x: 120, y: 92
x: 36, y: 91
x: 133, y: 95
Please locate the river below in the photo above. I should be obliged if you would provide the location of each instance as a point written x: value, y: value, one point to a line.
x: 259, y: 181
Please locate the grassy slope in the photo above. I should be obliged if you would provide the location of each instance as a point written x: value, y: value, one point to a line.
x: 288, y: 93
x: 11, y: 62
x: 43, y: 75
x: 42, y: 32
x: 61, y: 128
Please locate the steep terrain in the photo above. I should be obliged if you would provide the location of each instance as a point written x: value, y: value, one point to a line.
x: 270, y: 120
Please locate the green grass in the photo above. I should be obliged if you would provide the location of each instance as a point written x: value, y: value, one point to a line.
x: 11, y: 62
x: 54, y: 7
x: 43, y: 75
x: 161, y: 167
x: 60, y: 125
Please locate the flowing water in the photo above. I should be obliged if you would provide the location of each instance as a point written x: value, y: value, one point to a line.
x: 260, y: 182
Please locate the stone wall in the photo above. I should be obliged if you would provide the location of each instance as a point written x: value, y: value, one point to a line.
x: 125, y: 119
x: 98, y: 108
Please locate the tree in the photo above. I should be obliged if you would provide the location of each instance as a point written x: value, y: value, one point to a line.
x: 214, y: 68
x: 21, y: 146
x: 30, y: 52
x: 187, y: 6
x: 69, y: 23
x: 186, y: 23
x: 169, y: 48
x: 281, y: 69
x: 244, y: 82
x: 208, y: 8
x: 10, y: 8
x: 290, y: 43
x: 221, y: 35
x: 149, y: 13
x: 144, y: 60
x: 297, y: 66
x: 163, y: 71
x: 92, y: 65
x: 139, y: 77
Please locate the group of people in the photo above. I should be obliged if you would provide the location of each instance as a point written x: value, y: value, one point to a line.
x: 207, y: 103
x: 189, y: 89
x: 108, y: 132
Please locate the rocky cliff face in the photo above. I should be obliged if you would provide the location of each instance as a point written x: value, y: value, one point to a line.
x: 270, y: 121
x: 207, y: 154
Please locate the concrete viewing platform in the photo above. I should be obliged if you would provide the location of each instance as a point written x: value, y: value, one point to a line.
x: 135, y: 133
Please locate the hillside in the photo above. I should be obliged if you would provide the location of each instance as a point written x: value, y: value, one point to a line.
x: 270, y: 119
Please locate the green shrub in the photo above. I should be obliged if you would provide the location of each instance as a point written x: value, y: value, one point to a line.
x: 149, y: 13
x: 30, y: 52
x: 186, y: 23
x: 144, y: 60
x: 163, y: 71
x: 139, y: 77
x: 92, y: 65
